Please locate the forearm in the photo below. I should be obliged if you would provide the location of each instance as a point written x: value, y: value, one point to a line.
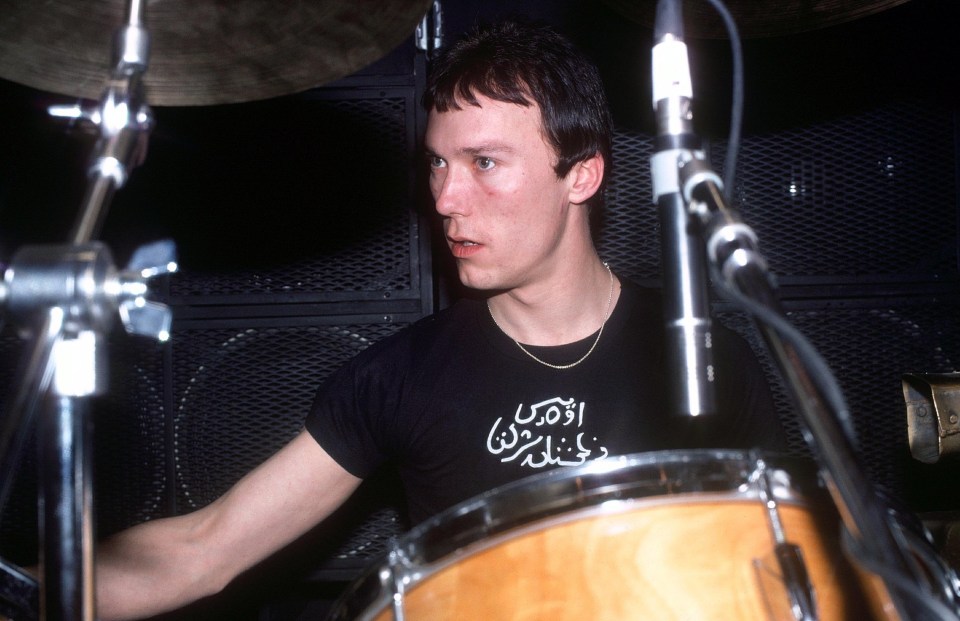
x: 152, y: 568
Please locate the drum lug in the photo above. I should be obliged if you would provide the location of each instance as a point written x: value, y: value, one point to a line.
x: 397, y: 605
x: 396, y: 575
x: 793, y: 569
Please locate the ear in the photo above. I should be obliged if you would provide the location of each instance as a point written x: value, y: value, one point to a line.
x: 585, y: 178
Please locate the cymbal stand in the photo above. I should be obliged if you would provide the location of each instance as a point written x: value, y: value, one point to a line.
x: 65, y: 298
x: 882, y: 550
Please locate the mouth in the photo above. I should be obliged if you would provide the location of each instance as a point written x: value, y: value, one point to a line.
x: 463, y: 248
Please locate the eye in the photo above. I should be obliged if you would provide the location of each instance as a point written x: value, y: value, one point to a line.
x: 485, y: 163
x: 436, y: 161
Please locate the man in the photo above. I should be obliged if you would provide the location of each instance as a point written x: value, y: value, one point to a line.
x: 560, y: 364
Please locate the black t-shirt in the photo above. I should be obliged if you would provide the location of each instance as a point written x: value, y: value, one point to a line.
x: 461, y: 409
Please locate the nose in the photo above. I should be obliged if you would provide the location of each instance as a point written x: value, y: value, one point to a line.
x: 447, y: 189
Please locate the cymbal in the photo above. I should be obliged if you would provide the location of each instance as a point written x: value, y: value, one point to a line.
x: 203, y: 52
x: 757, y: 18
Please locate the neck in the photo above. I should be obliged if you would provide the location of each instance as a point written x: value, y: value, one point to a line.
x: 559, y: 310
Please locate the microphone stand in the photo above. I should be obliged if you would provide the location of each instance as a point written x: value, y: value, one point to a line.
x: 880, y: 548
x: 66, y: 297
x: 686, y: 304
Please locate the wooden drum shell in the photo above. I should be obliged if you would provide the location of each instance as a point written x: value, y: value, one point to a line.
x: 668, y: 535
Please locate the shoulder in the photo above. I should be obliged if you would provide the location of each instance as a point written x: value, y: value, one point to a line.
x: 642, y: 314
x: 639, y: 312
x: 641, y: 301
x: 444, y: 329
x: 456, y: 321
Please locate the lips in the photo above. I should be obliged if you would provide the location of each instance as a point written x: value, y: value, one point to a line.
x: 463, y: 248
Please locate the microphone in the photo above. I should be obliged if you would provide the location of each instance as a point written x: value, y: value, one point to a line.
x: 685, y: 300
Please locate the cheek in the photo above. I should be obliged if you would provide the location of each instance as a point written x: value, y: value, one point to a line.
x: 494, y: 196
x: 509, y: 190
x: 434, y: 182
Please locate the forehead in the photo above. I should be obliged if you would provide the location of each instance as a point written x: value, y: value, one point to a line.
x: 491, y: 121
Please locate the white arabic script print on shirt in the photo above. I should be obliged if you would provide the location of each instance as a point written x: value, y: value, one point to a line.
x: 546, y: 434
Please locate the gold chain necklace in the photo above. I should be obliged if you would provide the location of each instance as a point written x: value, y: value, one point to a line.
x: 606, y: 315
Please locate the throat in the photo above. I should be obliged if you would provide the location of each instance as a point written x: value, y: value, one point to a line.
x: 598, y: 333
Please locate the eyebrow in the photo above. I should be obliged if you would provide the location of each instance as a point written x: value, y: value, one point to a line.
x: 481, y: 149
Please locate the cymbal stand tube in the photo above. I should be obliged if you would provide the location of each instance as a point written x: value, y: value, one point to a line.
x: 66, y: 510
x: 124, y: 121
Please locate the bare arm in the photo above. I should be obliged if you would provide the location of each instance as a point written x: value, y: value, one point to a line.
x: 164, y: 564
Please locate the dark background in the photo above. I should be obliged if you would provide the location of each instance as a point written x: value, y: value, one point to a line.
x: 304, y: 235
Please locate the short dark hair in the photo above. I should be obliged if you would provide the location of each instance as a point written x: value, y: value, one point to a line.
x: 523, y: 63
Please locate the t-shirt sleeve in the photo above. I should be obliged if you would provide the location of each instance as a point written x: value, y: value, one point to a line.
x: 351, y: 413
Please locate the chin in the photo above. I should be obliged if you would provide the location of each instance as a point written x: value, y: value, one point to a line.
x: 475, y: 279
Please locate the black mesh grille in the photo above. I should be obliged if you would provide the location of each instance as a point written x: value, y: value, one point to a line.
x: 240, y: 394
x: 130, y: 437
x: 628, y: 235
x: 356, y: 232
x: 868, y: 197
x: 872, y: 194
x: 869, y: 345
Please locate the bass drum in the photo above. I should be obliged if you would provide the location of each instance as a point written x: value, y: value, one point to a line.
x: 664, y: 535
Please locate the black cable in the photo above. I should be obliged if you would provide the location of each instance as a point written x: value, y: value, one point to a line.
x: 736, y: 101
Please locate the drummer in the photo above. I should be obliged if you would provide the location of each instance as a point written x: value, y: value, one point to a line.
x: 552, y: 360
